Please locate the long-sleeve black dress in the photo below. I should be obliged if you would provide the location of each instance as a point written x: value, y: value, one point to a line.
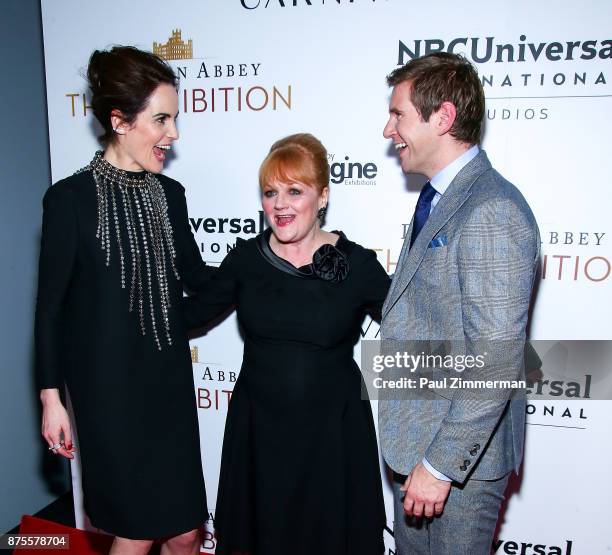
x: 299, y: 471
x: 134, y: 403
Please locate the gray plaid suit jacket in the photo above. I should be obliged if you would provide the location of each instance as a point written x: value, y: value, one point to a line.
x: 475, y: 288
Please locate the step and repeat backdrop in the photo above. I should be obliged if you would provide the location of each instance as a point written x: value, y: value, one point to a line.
x: 253, y: 71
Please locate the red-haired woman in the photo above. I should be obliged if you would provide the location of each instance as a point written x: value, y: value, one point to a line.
x: 299, y: 471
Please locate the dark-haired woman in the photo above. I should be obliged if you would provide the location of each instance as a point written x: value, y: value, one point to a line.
x: 116, y: 251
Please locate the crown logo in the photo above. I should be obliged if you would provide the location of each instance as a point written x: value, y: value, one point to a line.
x: 175, y: 49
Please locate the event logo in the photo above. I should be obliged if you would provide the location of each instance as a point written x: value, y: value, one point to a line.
x: 572, y: 416
x: 232, y: 94
x: 350, y: 172
x: 571, y: 389
x: 570, y: 265
x: 528, y: 67
x: 561, y: 415
x: 482, y: 51
x: 569, y: 256
x: 566, y: 376
x: 534, y: 54
x: 213, y: 398
x: 217, y: 231
x: 254, y: 4
x: 175, y: 48
x: 517, y: 113
x: 524, y: 548
x: 229, y: 225
x: 504, y: 546
x: 218, y: 383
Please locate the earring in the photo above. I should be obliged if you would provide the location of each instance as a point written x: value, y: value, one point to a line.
x: 321, y: 213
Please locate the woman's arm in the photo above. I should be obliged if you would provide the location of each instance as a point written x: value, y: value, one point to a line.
x: 57, y: 255
x: 193, y: 270
x: 210, y: 289
x: 217, y: 294
x: 376, y: 284
x: 56, y: 423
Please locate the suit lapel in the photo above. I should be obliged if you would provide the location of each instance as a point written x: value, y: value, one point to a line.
x: 410, y: 258
x: 401, y: 263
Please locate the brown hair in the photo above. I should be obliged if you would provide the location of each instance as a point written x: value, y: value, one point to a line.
x: 443, y: 77
x: 296, y: 158
x: 123, y: 78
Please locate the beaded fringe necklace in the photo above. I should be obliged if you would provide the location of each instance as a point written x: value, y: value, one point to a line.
x: 148, y: 231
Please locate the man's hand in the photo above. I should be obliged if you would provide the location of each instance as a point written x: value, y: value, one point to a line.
x: 425, y: 494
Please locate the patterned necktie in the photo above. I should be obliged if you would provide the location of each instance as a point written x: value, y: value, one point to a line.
x: 421, y: 212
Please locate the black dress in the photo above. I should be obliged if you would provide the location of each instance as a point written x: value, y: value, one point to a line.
x: 299, y: 471
x: 134, y: 404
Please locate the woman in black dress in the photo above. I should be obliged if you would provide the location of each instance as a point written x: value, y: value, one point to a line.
x: 299, y: 470
x: 116, y: 251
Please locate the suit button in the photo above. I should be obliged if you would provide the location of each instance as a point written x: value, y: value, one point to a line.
x: 463, y: 467
x: 473, y: 452
x: 466, y: 463
x: 476, y: 446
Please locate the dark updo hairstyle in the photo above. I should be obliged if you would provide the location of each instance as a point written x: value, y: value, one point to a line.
x: 123, y: 78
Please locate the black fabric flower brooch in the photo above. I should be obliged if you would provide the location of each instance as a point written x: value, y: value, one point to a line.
x: 330, y: 264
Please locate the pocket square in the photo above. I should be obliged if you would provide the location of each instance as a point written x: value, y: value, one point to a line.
x: 439, y: 241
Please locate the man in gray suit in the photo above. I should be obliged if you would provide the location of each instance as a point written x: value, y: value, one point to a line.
x: 464, y: 276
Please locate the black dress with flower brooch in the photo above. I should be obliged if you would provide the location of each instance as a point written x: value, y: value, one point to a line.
x: 299, y: 471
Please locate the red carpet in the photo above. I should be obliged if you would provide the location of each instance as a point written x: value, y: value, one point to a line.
x: 81, y: 543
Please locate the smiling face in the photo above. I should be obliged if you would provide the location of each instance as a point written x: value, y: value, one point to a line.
x: 143, y: 144
x: 415, y: 140
x: 291, y: 209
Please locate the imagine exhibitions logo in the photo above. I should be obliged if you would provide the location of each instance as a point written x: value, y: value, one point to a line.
x: 351, y: 172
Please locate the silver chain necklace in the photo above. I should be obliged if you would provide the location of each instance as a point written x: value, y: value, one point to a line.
x: 148, y: 231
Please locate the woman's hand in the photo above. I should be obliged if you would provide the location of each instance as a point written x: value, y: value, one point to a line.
x: 56, y: 424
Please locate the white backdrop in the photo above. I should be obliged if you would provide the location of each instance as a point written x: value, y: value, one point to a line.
x: 262, y: 69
